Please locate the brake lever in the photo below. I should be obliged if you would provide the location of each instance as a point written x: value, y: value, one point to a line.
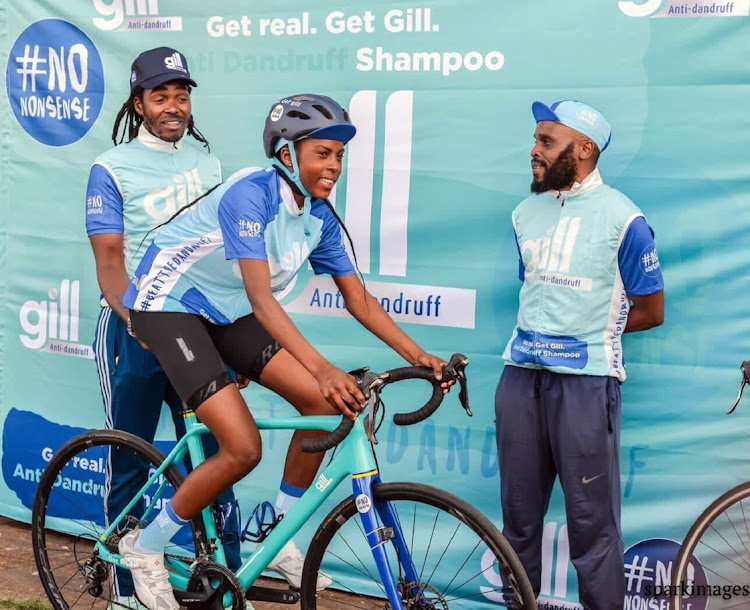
x: 456, y: 370
x: 745, y: 368
x: 370, y: 384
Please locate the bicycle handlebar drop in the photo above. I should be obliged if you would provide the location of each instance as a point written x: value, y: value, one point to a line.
x: 745, y: 368
x: 371, y: 384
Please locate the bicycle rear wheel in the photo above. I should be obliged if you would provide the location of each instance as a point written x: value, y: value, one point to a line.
x: 70, y: 499
x: 461, y: 557
x: 712, y: 569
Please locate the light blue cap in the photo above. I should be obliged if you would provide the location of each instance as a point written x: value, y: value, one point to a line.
x: 579, y: 116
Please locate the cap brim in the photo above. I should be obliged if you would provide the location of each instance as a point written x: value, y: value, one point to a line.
x: 155, y: 81
x: 342, y: 132
x: 542, y: 112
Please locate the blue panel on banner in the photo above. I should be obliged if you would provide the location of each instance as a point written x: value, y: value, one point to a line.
x: 26, y: 455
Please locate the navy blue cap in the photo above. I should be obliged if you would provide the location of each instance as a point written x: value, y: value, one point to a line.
x: 158, y: 66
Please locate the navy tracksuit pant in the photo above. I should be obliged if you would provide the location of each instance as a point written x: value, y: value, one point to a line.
x: 548, y: 425
x: 134, y: 386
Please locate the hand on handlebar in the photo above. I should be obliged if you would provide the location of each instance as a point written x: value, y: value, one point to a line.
x: 337, y: 387
x: 341, y: 391
x: 436, y: 364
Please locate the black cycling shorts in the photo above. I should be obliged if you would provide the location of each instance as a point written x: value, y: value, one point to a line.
x: 195, y: 353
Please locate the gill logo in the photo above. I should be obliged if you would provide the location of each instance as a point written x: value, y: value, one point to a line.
x: 557, y: 558
x: 116, y: 11
x: 639, y: 9
x: 322, y: 482
x: 163, y: 203
x: 396, y: 168
x: 56, y: 318
x: 552, y: 253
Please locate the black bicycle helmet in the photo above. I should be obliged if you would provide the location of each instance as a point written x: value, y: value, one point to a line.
x: 304, y: 116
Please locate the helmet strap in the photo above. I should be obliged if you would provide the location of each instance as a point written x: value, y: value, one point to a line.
x: 295, y: 178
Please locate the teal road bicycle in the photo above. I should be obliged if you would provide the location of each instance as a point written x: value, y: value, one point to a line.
x: 404, y: 546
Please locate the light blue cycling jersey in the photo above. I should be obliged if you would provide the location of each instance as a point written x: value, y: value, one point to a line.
x: 135, y: 186
x: 191, y: 265
x: 580, y: 259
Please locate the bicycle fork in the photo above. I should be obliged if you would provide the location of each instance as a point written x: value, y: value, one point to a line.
x: 381, y: 525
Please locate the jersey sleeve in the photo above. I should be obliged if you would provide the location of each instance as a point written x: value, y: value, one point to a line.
x: 639, y: 261
x: 243, y: 217
x: 329, y: 256
x: 103, y: 203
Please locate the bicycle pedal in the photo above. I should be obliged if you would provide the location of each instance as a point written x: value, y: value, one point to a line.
x: 269, y: 594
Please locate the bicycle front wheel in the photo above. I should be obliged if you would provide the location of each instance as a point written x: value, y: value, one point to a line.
x: 72, y: 498
x: 461, y: 559
x: 712, y: 569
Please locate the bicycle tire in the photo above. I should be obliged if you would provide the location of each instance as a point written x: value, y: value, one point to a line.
x: 96, y: 445
x: 710, y: 543
x: 435, y: 502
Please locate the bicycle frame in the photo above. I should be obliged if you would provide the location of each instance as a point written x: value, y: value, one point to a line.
x: 354, y: 457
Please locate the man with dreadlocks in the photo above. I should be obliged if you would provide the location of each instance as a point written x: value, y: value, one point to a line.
x: 132, y: 188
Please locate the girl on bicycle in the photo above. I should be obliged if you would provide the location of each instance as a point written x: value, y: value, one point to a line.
x: 205, y: 297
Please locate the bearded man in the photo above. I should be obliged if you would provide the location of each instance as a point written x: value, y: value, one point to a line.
x: 590, y: 273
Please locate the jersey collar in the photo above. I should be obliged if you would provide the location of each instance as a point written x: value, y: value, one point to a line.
x: 591, y: 181
x: 287, y: 196
x: 149, y: 140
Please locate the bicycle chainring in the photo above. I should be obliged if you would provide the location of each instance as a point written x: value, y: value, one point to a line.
x: 217, y: 581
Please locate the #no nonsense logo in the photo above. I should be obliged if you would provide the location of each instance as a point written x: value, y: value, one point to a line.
x: 55, y: 82
x: 648, y: 574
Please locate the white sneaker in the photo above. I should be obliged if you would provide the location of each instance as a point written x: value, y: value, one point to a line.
x: 150, y: 577
x: 289, y: 562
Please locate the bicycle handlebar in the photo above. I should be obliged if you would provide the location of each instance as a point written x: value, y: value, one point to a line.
x: 371, y: 384
x: 330, y: 440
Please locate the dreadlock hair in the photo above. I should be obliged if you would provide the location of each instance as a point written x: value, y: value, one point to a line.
x: 133, y: 120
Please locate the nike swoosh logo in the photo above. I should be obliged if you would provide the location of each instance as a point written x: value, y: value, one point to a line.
x: 587, y: 480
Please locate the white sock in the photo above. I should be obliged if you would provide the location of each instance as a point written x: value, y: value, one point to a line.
x: 160, y: 531
x: 288, y: 497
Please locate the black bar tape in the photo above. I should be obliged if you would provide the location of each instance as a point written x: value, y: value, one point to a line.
x: 330, y: 440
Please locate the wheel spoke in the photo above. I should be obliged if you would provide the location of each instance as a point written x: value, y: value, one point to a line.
x: 718, y: 544
x: 440, y: 559
x: 364, y: 571
x: 468, y: 557
x: 70, y: 565
x: 724, y: 555
x: 457, y: 554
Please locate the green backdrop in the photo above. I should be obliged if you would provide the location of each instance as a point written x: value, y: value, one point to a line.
x: 441, y: 93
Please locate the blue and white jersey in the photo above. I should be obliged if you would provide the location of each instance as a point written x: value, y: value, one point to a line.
x: 579, y: 262
x: 191, y: 266
x: 138, y: 185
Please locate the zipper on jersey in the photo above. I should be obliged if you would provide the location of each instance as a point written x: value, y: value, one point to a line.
x: 554, y: 254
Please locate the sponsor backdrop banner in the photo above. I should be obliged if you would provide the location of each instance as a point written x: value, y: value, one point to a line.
x: 441, y: 92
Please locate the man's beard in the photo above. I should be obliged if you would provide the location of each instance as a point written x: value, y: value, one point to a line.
x: 560, y: 174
